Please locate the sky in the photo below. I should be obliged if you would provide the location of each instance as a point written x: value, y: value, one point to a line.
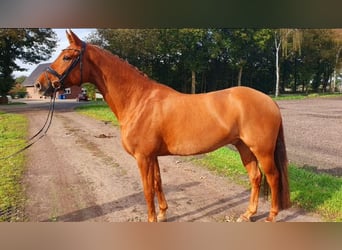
x: 62, y: 42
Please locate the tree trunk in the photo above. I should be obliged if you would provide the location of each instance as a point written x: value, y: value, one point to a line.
x: 240, y: 75
x: 204, y: 83
x: 294, y: 89
x: 233, y: 78
x: 326, y: 77
x: 193, y: 82
x: 277, y: 46
x: 333, y: 85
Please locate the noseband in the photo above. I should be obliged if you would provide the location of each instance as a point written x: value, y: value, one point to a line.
x: 61, y: 77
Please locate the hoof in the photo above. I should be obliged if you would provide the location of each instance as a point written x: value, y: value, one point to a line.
x: 152, y: 219
x: 162, y: 218
x: 243, y: 218
x: 270, y: 219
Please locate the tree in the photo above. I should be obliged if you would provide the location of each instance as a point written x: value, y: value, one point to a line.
x: 150, y: 50
x: 246, y: 48
x: 337, y: 38
x: 18, y: 90
x: 281, y: 40
x: 196, y: 47
x: 327, y: 52
x: 240, y: 49
x: 26, y: 45
x: 91, y: 90
x: 138, y: 46
x: 318, y: 58
x: 197, y: 60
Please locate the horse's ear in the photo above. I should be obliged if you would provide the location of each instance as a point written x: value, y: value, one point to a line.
x: 73, y: 39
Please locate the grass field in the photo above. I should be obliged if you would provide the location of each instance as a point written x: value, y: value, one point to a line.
x: 320, y: 193
x: 12, y: 137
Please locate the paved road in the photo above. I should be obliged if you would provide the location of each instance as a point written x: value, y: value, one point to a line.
x: 313, y: 132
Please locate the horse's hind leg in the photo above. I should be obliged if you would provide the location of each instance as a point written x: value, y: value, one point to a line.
x: 250, y: 162
x: 160, y: 194
x: 272, y: 177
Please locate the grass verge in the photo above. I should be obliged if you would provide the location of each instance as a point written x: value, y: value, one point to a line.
x: 13, y: 129
x: 99, y: 111
x: 305, y: 96
x: 319, y: 193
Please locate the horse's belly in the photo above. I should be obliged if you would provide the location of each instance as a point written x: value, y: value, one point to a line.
x: 199, y: 143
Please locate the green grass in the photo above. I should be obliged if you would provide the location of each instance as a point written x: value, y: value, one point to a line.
x: 225, y: 162
x: 13, y: 129
x: 319, y: 193
x: 99, y: 111
x: 304, y: 96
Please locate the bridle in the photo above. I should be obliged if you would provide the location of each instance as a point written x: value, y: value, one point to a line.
x: 61, y: 77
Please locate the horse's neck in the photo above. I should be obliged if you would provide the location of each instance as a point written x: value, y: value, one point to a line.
x: 120, y: 83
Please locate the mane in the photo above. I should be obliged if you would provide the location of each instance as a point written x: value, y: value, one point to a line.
x: 123, y: 61
x: 133, y: 70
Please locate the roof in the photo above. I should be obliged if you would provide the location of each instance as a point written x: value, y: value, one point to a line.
x: 31, y: 79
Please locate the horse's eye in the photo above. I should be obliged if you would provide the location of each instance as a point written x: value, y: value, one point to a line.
x: 66, y: 58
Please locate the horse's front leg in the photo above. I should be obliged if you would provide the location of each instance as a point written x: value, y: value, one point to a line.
x: 147, y: 172
x: 160, y: 194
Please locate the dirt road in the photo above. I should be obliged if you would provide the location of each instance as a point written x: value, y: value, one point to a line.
x: 80, y: 172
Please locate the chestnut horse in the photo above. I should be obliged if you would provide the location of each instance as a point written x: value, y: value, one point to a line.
x: 156, y: 120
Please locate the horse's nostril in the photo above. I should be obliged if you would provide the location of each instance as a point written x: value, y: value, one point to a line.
x: 37, y: 85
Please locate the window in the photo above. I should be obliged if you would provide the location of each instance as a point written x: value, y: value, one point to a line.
x: 67, y: 91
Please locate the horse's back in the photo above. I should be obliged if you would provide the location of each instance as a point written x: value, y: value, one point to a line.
x: 251, y: 96
x: 200, y: 123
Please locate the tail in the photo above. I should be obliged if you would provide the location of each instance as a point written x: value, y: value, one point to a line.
x: 281, y: 162
x: 280, y: 158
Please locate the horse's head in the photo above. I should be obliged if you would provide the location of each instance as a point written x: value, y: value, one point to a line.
x: 66, y: 70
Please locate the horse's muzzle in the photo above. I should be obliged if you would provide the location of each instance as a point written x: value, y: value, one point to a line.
x: 38, y: 86
x: 44, y: 91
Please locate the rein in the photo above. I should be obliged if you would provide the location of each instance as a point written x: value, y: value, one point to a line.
x: 61, y: 77
x: 42, y: 132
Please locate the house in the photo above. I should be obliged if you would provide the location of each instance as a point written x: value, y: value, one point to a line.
x: 32, y: 92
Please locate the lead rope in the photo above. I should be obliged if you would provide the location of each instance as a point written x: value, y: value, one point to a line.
x: 39, y: 134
